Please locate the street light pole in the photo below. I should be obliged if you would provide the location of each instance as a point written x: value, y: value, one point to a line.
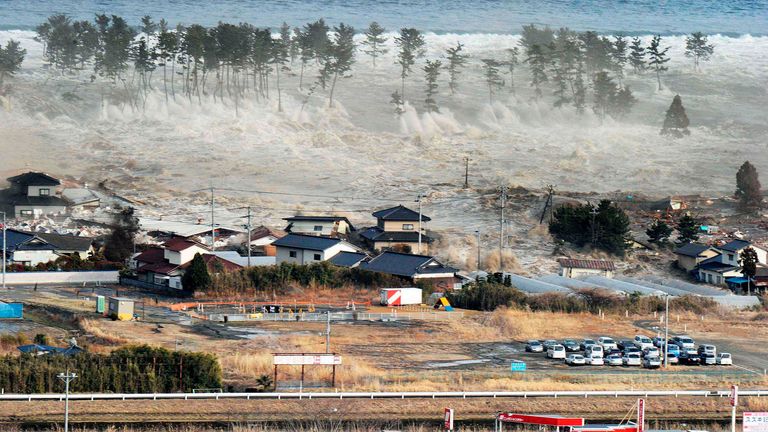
x: 478, y: 250
x: 67, y: 378
x: 666, y: 333
x: 5, y: 249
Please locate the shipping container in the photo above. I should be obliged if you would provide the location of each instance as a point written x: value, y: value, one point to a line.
x: 400, y: 296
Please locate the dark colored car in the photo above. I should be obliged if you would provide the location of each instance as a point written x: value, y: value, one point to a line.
x: 689, y: 359
x: 624, y: 343
x: 571, y: 345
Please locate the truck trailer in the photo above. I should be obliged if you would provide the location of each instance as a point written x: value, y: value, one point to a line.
x: 400, y: 296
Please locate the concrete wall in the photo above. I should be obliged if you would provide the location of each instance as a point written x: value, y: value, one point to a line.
x: 31, y: 278
x: 579, y: 273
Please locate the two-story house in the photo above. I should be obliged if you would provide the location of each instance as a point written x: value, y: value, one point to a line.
x: 31, y: 195
x: 326, y: 226
x: 727, y: 263
x: 308, y: 249
x: 397, y: 228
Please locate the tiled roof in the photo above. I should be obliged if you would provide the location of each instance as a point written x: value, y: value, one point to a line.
x: 691, y: 249
x: 151, y: 255
x: 735, y: 245
x: 376, y: 234
x: 262, y: 231
x: 400, y: 213
x: 587, y: 264
x: 347, y: 259
x: 163, y: 267
x: 34, y: 179
x: 309, y: 242
x: 67, y: 242
x: 178, y: 244
x: 408, y: 265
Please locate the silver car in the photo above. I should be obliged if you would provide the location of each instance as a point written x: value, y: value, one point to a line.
x: 632, y: 359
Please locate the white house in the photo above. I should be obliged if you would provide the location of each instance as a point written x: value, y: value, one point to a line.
x: 308, y: 249
x: 329, y: 226
x: 581, y: 268
x: 731, y: 252
x: 32, y: 195
x: 180, y: 251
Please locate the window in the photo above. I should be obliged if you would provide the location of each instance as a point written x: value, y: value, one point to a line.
x: 45, y: 192
x: 719, y: 280
x: 317, y: 257
x: 26, y: 212
x: 292, y: 254
x: 318, y: 228
x: 730, y: 257
x: 407, y: 227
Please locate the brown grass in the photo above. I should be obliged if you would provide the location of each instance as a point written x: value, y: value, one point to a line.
x: 91, y: 327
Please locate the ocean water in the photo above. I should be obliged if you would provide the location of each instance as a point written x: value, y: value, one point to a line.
x: 728, y: 17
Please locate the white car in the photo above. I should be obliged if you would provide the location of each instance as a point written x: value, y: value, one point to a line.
x: 614, y: 360
x: 607, y: 343
x: 556, y: 351
x: 593, y: 351
x: 595, y: 361
x: 643, y: 342
x: 576, y: 360
x: 684, y: 342
x: 725, y: 359
x: 651, y: 362
x: 651, y: 352
x: 632, y: 359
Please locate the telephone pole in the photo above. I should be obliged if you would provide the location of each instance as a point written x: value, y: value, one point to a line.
x: 419, y: 201
x: 466, y: 173
x: 328, y: 333
x: 67, y: 378
x: 5, y: 249
x: 501, y: 225
x: 477, y: 233
x: 213, y: 224
x: 248, y: 236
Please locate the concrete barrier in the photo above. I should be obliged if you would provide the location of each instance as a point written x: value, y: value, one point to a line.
x: 31, y: 278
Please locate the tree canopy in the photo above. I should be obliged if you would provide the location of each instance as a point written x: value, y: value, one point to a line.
x: 676, y: 121
x: 196, y: 276
x: 605, y: 226
x: 748, y: 188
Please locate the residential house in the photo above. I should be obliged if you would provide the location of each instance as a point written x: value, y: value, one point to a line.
x: 199, y: 232
x: 732, y: 250
x: 30, y: 248
x: 397, y: 228
x: 308, y: 249
x: 690, y: 255
x: 349, y: 259
x: 81, y: 198
x: 165, y: 265
x: 31, y: 195
x: 261, y: 241
x: 725, y: 267
x: 414, y: 268
x: 581, y: 268
x: 326, y: 226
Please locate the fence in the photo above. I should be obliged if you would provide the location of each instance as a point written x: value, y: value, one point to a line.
x: 34, y: 277
x: 337, y: 316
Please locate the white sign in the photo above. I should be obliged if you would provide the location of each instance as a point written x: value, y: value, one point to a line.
x: 734, y: 395
x: 755, y: 422
x: 640, y: 415
x: 307, y: 359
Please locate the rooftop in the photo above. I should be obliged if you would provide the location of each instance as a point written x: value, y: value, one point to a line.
x: 408, y: 265
x: 399, y: 213
x: 587, y: 264
x: 691, y: 249
x: 178, y: 244
x: 379, y: 235
x: 347, y: 259
x: 735, y: 245
x: 66, y: 242
x: 309, y: 242
x: 34, y: 179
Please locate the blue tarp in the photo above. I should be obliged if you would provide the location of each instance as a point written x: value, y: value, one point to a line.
x: 736, y: 280
x: 11, y: 310
x: 47, y: 349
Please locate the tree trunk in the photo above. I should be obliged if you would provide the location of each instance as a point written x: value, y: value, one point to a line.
x: 333, y: 87
x: 301, y: 76
x: 658, y: 78
x: 277, y: 82
x: 165, y: 81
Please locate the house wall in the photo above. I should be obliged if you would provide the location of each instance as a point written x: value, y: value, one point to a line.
x: 327, y: 227
x: 715, y: 278
x: 183, y: 257
x: 379, y: 245
x: 733, y: 258
x: 38, y: 210
x: 33, y: 257
x: 397, y: 226
x: 438, y: 280
x: 35, y: 190
x: 578, y: 273
x: 305, y: 256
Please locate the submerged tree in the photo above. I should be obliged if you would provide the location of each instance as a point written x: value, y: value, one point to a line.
x: 748, y: 188
x: 605, y: 226
x: 512, y: 62
x: 698, y: 48
x: 619, y: 56
x: 687, y: 229
x: 411, y: 47
x: 397, y: 102
x: 341, y: 55
x: 637, y: 55
x: 119, y: 244
x: 537, y: 62
x: 492, y: 77
x: 658, y: 232
x: 431, y: 74
x: 374, y: 41
x: 279, y: 55
x: 456, y: 61
x: 676, y: 121
x: 657, y: 57
x: 604, y: 92
x: 11, y: 58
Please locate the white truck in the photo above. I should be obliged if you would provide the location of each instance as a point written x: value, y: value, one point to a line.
x: 400, y: 296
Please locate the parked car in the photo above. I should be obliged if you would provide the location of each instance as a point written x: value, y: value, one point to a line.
x: 549, y: 343
x: 534, y: 346
x: 575, y: 360
x: 571, y: 345
x: 707, y: 349
x: 724, y: 359
x: 673, y: 349
x: 643, y: 342
x: 594, y: 351
x: 708, y: 359
x: 614, y: 351
x: 606, y: 342
x: 688, y: 358
x: 595, y: 361
x: 658, y: 342
x: 672, y: 359
x: 632, y: 359
x: 651, y: 352
x: 631, y: 349
x: 556, y: 351
x: 587, y: 342
x: 684, y: 342
x: 652, y: 362
x: 614, y: 360
x: 624, y: 343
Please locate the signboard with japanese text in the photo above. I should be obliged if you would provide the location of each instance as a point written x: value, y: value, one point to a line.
x: 755, y: 422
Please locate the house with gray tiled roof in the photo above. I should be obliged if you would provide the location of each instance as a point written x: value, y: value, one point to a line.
x: 397, y: 228
x: 31, y: 195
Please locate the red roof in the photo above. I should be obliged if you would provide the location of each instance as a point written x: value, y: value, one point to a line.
x: 587, y: 264
x: 178, y: 244
x: 262, y: 231
x: 546, y: 420
x: 159, y: 268
x: 210, y: 259
x: 151, y: 255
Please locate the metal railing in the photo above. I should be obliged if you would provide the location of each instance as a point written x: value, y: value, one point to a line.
x: 336, y: 316
x: 381, y: 395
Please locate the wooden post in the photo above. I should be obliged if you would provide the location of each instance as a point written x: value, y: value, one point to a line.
x: 275, y: 380
x: 333, y: 377
x: 302, y: 377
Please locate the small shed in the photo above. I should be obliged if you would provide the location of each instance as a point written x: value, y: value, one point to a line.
x: 121, y: 308
x: 580, y: 268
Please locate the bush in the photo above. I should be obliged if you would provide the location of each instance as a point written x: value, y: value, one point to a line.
x: 486, y: 296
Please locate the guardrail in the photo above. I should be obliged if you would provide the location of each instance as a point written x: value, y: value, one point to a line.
x: 335, y: 316
x: 379, y: 395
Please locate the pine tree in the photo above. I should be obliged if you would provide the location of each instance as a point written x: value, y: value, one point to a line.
x: 698, y: 48
x: 619, y: 56
x: 687, y: 229
x: 676, y: 121
x: 657, y: 57
x: 11, y: 58
x: 456, y: 61
x: 579, y: 89
x: 374, y: 41
x: 431, y: 74
x: 196, y: 276
x: 605, y: 226
x: 637, y: 55
x: 658, y: 232
x: 537, y: 61
x: 748, y: 260
x: 119, y: 244
x: 397, y: 102
x: 622, y: 102
x: 411, y: 44
x: 748, y: 187
x: 168, y: 45
x: 341, y: 55
x: 512, y: 62
x: 492, y: 77
x: 279, y: 55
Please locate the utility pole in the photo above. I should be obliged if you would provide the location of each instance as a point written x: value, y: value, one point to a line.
x: 248, y: 241
x: 477, y: 233
x: 419, y: 201
x: 594, y: 233
x: 67, y: 378
x: 501, y: 226
x: 213, y: 225
x: 5, y: 249
x: 466, y: 172
x: 666, y: 333
x: 328, y: 333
